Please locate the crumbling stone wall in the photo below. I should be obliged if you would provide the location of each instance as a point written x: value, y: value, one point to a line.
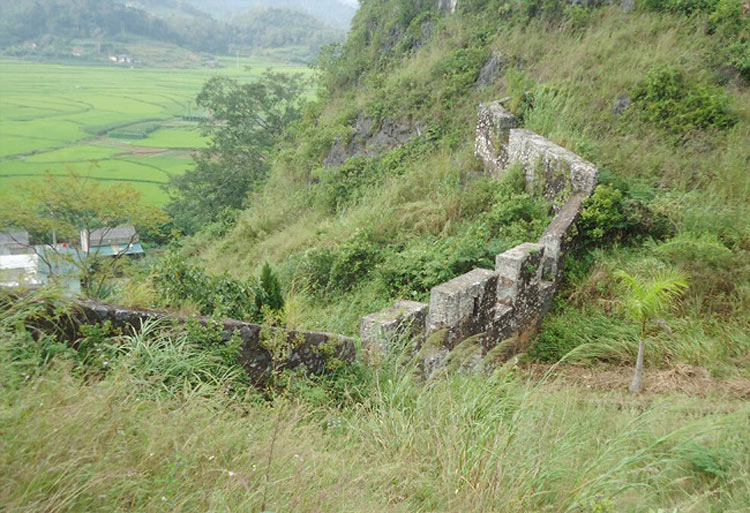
x: 493, y: 133
x: 503, y: 307
x: 311, y: 350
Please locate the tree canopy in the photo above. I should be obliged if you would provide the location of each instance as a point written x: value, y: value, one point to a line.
x: 245, y: 123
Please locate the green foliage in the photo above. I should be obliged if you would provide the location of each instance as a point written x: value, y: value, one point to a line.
x: 329, y: 272
x: 247, y: 121
x: 712, y: 266
x: 615, y: 213
x: 269, y: 294
x: 681, y: 6
x: 460, y: 69
x: 178, y: 282
x: 568, y: 328
x: 647, y: 298
x: 679, y: 105
x: 711, y: 462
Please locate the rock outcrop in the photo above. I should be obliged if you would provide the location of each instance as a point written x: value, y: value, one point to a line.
x: 369, y: 140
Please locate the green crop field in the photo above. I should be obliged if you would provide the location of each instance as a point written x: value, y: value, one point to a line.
x: 111, y: 122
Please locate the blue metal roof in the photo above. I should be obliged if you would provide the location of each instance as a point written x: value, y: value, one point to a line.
x: 117, y: 249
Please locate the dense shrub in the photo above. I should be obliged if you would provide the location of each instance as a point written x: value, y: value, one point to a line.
x: 671, y: 101
x: 177, y: 282
x: 329, y: 271
x: 711, y: 265
x: 615, y: 213
x: 268, y: 294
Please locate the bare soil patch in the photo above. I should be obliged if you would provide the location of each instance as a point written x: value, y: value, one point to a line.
x: 679, y: 379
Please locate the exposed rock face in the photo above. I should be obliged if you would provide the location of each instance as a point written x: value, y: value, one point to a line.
x: 622, y: 104
x: 493, y: 313
x: 366, y: 141
x: 491, y: 71
x: 447, y: 5
x: 310, y: 350
x: 493, y: 132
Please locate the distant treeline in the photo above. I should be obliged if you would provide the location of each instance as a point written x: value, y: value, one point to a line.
x: 27, y: 25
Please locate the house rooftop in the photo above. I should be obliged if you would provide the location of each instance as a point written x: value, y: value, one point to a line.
x: 14, y: 243
x: 108, y: 236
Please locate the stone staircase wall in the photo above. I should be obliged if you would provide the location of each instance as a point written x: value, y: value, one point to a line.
x: 503, y: 307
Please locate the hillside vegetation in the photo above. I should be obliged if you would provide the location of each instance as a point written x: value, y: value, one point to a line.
x: 374, y: 194
x: 657, y: 97
x: 93, y: 30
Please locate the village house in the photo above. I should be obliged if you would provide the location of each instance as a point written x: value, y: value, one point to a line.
x: 40, y: 266
x: 114, y: 242
x: 14, y: 243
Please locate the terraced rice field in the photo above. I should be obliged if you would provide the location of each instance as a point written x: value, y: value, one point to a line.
x: 114, y: 123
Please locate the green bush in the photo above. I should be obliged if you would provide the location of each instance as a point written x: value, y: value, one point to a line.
x: 711, y: 265
x: 678, y: 105
x: 680, y: 6
x: 268, y: 294
x: 328, y: 271
x: 614, y: 213
x: 177, y: 282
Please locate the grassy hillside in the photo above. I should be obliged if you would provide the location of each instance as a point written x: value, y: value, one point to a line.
x: 148, y: 421
x: 349, y: 239
x: 657, y: 97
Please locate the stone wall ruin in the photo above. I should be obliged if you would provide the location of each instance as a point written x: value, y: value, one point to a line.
x: 493, y: 313
x: 309, y: 350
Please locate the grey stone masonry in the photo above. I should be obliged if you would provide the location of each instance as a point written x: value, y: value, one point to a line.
x: 404, y: 320
x: 559, y: 234
x: 493, y: 131
x: 464, y: 306
x: 516, y: 268
x: 549, y: 168
x: 500, y: 310
x: 309, y: 350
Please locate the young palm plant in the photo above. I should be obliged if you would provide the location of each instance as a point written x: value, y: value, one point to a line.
x: 645, y: 300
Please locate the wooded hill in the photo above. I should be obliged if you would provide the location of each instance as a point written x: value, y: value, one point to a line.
x: 54, y: 28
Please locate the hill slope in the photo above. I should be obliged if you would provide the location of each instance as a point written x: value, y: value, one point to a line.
x: 354, y: 217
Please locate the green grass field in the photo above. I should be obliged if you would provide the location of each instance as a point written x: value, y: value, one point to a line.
x: 115, y: 123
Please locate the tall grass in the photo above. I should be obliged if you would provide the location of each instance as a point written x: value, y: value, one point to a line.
x: 465, y: 443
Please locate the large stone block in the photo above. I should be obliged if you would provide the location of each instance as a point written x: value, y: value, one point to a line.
x: 493, y: 131
x: 404, y: 320
x: 555, y: 171
x: 463, y: 306
x: 517, y: 270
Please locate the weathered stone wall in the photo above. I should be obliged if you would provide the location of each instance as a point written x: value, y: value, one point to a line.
x: 493, y: 133
x: 499, y: 308
x: 310, y: 350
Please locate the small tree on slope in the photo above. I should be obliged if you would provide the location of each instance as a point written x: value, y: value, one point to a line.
x: 645, y: 300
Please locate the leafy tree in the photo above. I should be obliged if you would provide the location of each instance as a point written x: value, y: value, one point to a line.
x: 246, y: 122
x: 645, y: 300
x: 59, y: 208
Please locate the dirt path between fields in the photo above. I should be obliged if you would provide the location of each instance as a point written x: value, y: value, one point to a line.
x: 680, y: 379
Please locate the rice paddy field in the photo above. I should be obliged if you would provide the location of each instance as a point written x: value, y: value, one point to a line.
x: 113, y: 123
